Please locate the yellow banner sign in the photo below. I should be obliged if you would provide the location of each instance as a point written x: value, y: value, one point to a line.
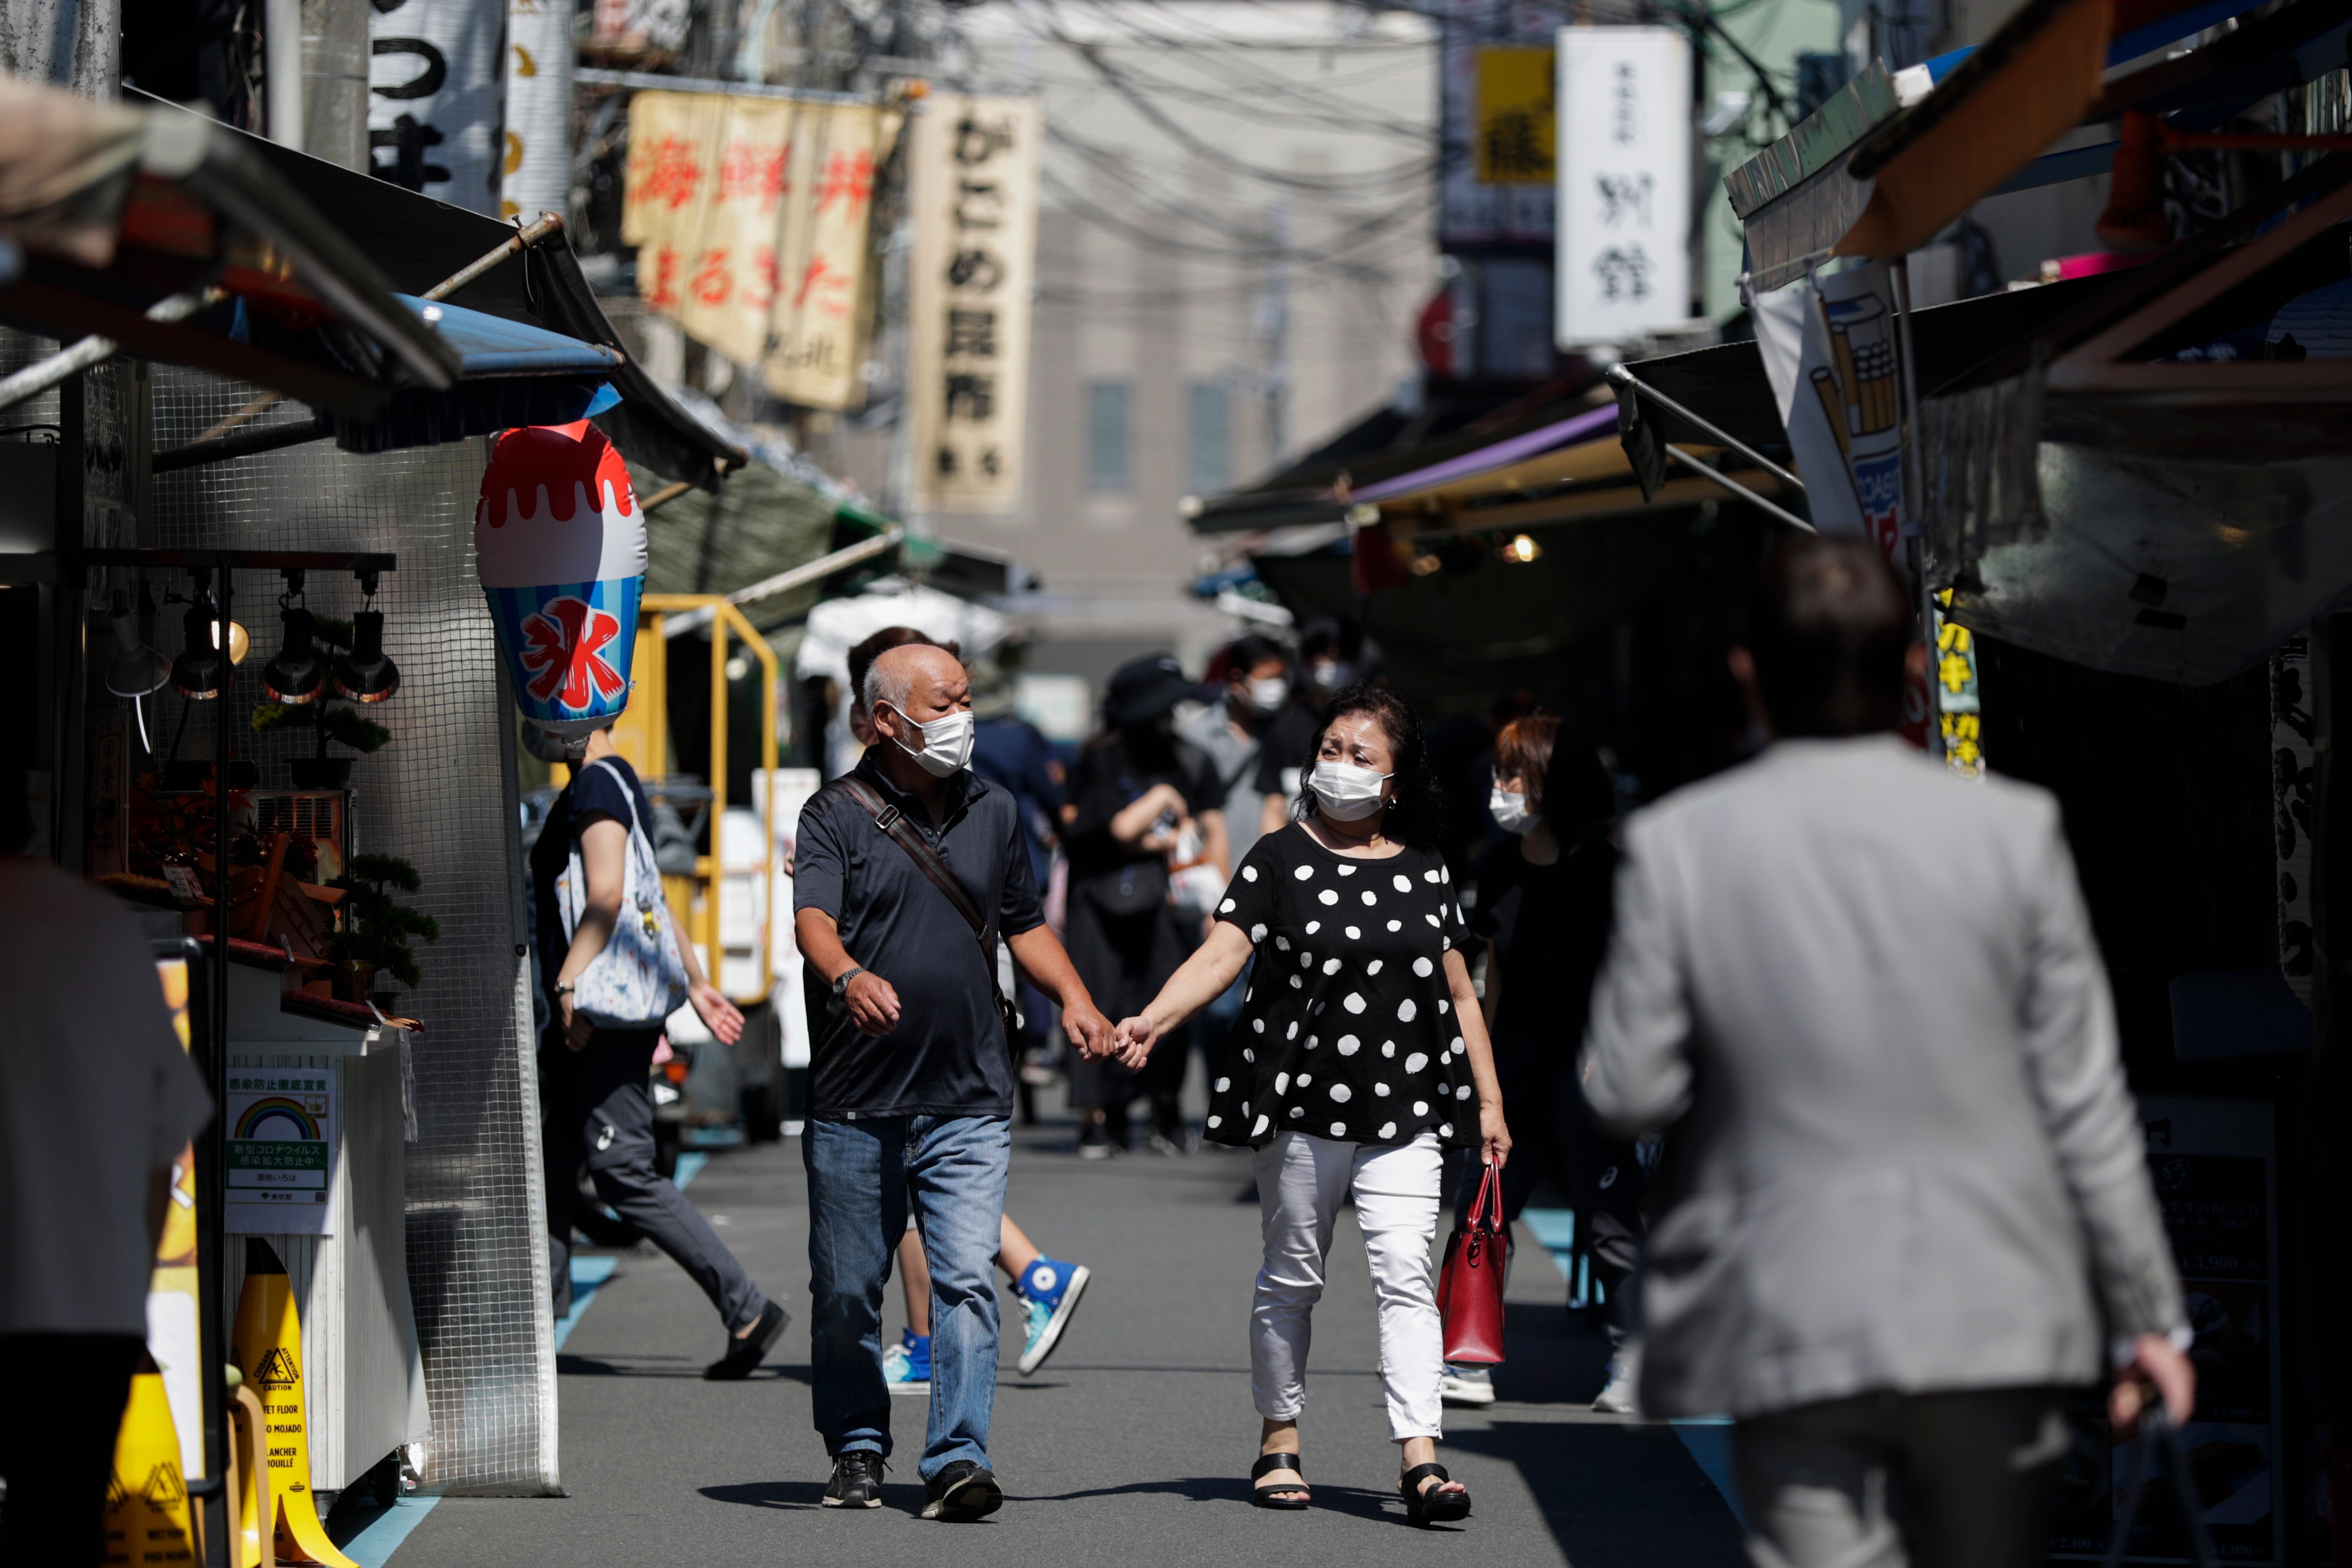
x: 751, y: 217
x: 1516, y: 116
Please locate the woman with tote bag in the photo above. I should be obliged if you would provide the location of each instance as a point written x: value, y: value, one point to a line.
x: 1360, y: 1058
x: 622, y: 973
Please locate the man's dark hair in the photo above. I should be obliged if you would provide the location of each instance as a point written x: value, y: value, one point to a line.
x: 862, y: 657
x: 1829, y: 627
x: 1245, y: 653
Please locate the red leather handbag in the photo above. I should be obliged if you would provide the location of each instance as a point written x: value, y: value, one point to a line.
x: 1470, y: 1285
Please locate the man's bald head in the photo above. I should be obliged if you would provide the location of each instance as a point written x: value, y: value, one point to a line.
x: 918, y: 680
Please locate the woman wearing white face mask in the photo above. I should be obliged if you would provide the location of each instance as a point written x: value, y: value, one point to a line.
x: 1359, y: 1060
x: 1543, y: 910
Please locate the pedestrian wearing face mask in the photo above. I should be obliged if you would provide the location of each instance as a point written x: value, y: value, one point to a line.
x: 911, y: 1076
x: 1543, y: 911
x: 1138, y: 797
x: 1359, y: 1060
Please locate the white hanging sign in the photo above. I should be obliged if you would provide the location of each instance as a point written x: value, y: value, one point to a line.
x: 537, y: 171
x: 437, y: 99
x: 1623, y: 152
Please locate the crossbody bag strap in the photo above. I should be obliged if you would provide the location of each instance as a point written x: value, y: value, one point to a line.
x: 900, y: 831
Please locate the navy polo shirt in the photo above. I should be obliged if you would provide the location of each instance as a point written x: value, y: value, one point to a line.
x: 949, y: 1056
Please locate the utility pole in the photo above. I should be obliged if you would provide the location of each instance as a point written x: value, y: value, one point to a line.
x: 1274, y: 331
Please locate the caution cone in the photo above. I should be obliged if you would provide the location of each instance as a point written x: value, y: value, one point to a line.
x: 147, y: 1516
x: 268, y: 1353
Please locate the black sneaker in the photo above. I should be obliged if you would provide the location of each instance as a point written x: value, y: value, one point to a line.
x: 747, y: 1353
x: 857, y: 1479
x: 964, y: 1490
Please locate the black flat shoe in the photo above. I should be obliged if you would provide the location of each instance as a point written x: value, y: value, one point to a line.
x: 964, y: 1490
x: 744, y: 1354
x: 856, y: 1480
x: 1275, y: 1464
x: 1436, y: 1506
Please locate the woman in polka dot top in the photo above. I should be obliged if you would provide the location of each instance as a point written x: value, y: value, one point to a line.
x: 1360, y: 1058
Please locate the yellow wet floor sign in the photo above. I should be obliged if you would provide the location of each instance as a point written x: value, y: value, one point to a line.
x: 268, y: 1351
x: 147, y: 1514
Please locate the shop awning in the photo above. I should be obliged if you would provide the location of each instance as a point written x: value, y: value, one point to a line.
x: 160, y: 233
x: 417, y: 242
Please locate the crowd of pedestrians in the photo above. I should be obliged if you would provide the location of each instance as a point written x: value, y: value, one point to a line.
x: 1885, y: 1237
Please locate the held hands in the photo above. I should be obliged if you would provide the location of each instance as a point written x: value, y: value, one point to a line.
x: 720, y: 1017
x: 1088, y: 1030
x: 2155, y: 1370
x: 1135, y: 1037
x: 873, y: 1004
x: 1494, y: 1138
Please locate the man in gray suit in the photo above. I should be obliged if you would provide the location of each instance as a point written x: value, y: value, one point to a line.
x: 1909, y: 1201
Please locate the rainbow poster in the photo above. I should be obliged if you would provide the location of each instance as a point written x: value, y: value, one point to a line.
x: 281, y: 1136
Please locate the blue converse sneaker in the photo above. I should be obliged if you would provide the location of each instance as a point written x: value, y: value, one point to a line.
x: 907, y: 1365
x: 1051, y: 1289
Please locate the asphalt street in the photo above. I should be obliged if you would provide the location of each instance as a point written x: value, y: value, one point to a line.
x: 1131, y: 1446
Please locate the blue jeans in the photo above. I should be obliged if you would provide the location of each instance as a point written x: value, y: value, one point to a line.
x: 861, y: 1175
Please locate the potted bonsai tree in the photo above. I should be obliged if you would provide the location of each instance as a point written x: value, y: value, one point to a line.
x: 301, y: 696
x: 376, y: 926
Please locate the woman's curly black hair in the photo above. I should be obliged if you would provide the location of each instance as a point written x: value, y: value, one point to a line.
x: 1416, y: 803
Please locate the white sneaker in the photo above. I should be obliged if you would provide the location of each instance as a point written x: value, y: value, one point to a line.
x: 1472, y: 1386
x: 1616, y: 1396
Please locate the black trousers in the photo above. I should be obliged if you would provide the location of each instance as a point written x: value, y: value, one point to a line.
x: 598, y: 1110
x: 66, y: 1396
x: 1552, y: 1133
x: 1960, y: 1479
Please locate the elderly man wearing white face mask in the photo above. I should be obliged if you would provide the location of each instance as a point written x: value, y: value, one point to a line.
x: 1359, y: 1060
x: 909, y: 866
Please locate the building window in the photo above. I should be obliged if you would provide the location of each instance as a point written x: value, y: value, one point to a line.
x: 1211, y: 467
x: 1107, y: 436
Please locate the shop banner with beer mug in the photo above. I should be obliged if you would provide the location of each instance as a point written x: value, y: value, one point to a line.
x: 1832, y: 352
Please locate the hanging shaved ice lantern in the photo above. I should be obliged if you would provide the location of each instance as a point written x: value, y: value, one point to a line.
x: 560, y: 547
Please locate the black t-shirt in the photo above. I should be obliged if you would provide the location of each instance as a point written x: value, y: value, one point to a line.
x: 1348, y: 1030
x: 948, y: 1056
x: 1108, y: 778
x: 592, y: 789
x: 1550, y: 925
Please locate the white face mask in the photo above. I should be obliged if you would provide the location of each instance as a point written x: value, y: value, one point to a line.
x: 1345, y: 792
x: 947, y: 744
x: 1510, y: 811
x: 1265, y: 694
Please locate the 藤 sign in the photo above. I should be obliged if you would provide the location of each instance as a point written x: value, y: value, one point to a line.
x: 1623, y: 152
x: 973, y: 192
x: 750, y: 216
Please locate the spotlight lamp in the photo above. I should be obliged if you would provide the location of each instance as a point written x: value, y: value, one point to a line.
x: 196, y: 673
x: 137, y: 670
x: 294, y: 676
x: 364, y: 675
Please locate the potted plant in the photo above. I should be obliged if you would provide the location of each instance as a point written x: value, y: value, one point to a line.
x: 377, y: 927
x: 326, y: 713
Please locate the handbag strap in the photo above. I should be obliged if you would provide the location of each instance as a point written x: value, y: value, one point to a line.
x: 901, y: 832
x: 1486, y: 1209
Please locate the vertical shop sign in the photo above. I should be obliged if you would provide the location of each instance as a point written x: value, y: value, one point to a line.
x: 1834, y: 357
x: 972, y: 193
x: 536, y: 173
x: 751, y: 219
x: 281, y: 1130
x: 1495, y: 122
x: 436, y: 97
x: 2292, y: 760
x: 1625, y: 194
x: 1957, y: 700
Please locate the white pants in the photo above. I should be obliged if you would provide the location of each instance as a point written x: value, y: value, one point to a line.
x: 1301, y: 1180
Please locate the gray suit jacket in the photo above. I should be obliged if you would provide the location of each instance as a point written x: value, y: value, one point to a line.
x: 1908, y: 1161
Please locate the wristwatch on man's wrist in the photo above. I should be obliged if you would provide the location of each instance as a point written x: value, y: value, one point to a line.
x: 841, y: 982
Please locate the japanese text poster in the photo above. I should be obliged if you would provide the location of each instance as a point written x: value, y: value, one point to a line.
x: 437, y: 98
x: 537, y: 171
x: 281, y: 1132
x: 752, y: 220
x: 973, y: 192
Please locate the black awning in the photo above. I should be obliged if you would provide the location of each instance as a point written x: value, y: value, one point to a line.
x: 417, y: 242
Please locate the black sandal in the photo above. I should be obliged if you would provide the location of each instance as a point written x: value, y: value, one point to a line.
x: 1263, y: 1497
x: 1437, y: 1506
